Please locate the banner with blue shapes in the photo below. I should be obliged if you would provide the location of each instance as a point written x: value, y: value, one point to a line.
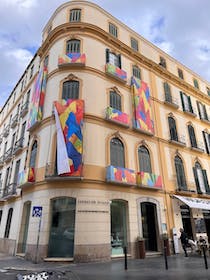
x: 37, y: 211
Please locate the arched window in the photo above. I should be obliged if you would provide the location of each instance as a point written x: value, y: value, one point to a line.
x: 172, y: 128
x: 201, y: 179
x: 73, y: 46
x: 144, y: 159
x: 70, y: 90
x: 115, y: 100
x: 8, y: 224
x: 33, y: 155
x: 117, y: 153
x: 180, y: 174
x: 192, y: 136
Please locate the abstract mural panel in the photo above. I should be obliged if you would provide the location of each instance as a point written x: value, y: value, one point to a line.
x: 115, y: 115
x: 120, y: 175
x: 71, y: 58
x: 149, y: 180
x: 142, y: 106
x: 69, y: 120
x: 116, y: 72
x: 38, y: 95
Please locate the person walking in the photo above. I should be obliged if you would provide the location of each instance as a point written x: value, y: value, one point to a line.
x: 184, y: 241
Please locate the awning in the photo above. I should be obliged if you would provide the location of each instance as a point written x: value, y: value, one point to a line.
x: 195, y: 202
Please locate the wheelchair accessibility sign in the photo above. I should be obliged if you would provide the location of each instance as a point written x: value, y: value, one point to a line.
x: 37, y: 211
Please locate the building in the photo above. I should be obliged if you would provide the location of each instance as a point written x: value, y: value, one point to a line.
x: 104, y: 140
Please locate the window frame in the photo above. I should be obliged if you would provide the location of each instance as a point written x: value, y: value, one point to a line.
x: 75, y: 15
x: 172, y: 129
x: 117, y: 152
x: 73, y: 88
x: 180, y: 73
x: 113, y: 30
x: 115, y: 100
x: 73, y: 46
x: 180, y: 173
x: 134, y: 44
x: 144, y: 159
x: 192, y: 136
x: 136, y: 71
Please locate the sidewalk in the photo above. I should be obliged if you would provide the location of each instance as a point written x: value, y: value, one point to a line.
x: 179, y: 267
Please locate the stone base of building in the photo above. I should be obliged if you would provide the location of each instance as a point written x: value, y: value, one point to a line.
x: 7, y: 246
x: 92, y: 253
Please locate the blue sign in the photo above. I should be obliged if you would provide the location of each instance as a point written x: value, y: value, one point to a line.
x: 37, y: 211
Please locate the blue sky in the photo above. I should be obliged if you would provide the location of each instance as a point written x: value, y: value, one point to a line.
x: 180, y: 28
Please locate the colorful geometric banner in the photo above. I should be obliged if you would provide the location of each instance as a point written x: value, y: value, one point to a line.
x: 69, y: 121
x: 25, y: 176
x: 142, y: 106
x: 120, y: 175
x: 148, y: 180
x: 116, y: 72
x: 117, y: 116
x: 71, y: 58
x: 37, y: 102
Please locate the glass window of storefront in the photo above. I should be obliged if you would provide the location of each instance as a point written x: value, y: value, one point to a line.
x: 61, y: 241
x: 118, y: 226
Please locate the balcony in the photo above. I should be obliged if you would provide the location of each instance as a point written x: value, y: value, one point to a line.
x: 179, y: 140
x: 51, y: 174
x: 8, y: 155
x: 117, y: 116
x: 14, y: 121
x: 71, y: 59
x: 190, y: 112
x: 24, y: 109
x: 198, y: 148
x: 51, y: 170
x: 171, y: 101
x: 1, y: 161
x: 116, y: 72
x: 6, y: 131
x: 149, y: 180
x: 18, y: 146
x: 26, y: 177
x: 10, y: 190
x: 120, y: 175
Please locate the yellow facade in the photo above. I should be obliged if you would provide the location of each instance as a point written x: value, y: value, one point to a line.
x: 93, y: 216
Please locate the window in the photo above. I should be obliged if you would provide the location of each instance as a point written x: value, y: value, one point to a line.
x: 113, y: 59
x: 22, y: 85
x: 206, y: 137
x: 31, y: 71
x: 180, y: 174
x: 113, y: 29
x: 134, y: 44
x: 172, y: 128
x: 115, y: 100
x: 186, y: 102
x: 33, y: 155
x: 202, y: 111
x: 208, y: 91
x: 73, y: 46
x: 192, y: 136
x: 8, y: 224
x: 136, y: 72
x: 46, y: 60
x: 70, y: 90
x: 7, y: 178
x: 1, y: 212
x: 201, y: 179
x: 180, y: 74
x: 23, y: 130
x: 162, y: 62
x: 75, y: 15
x: 167, y: 91
x: 144, y: 159
x: 17, y: 168
x: 117, y: 157
x: 195, y: 82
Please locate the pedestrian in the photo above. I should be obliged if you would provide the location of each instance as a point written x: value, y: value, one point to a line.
x: 184, y: 241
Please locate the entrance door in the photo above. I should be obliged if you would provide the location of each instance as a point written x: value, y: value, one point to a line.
x: 61, y: 241
x: 186, y: 220
x: 118, y: 226
x: 149, y: 225
x: 206, y: 215
x: 24, y: 228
